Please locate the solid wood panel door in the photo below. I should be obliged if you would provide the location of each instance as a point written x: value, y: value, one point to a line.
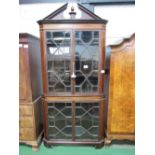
x: 121, y: 108
x: 23, y: 73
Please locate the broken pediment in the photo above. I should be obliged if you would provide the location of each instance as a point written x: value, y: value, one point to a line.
x: 70, y: 13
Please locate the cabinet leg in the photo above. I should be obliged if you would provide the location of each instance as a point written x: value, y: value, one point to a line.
x: 47, y: 145
x: 35, y: 148
x: 99, y: 146
x: 107, y: 141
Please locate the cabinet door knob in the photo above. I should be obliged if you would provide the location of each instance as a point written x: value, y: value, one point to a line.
x: 24, y: 45
x: 103, y: 71
x: 73, y: 76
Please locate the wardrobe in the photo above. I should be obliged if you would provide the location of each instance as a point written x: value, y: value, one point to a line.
x: 30, y: 91
x: 121, y: 95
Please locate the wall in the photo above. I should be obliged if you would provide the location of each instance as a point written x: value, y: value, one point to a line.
x: 120, y: 19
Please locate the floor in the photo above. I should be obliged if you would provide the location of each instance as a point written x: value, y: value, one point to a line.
x: 114, y: 149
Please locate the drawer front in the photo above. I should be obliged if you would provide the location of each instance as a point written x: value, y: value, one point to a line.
x: 26, y: 122
x: 26, y: 134
x: 25, y: 110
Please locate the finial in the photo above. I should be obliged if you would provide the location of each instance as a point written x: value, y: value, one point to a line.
x: 72, y: 8
x: 72, y: 13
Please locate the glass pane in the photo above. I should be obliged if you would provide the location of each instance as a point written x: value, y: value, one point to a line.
x: 59, y: 121
x: 87, y: 121
x: 58, y: 61
x: 86, y: 36
x: 86, y: 61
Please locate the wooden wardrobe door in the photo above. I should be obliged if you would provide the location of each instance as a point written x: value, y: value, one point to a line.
x: 122, y: 98
x: 121, y: 111
x: 23, y: 74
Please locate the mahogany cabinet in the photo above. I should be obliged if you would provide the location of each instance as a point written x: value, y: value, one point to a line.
x: 121, y: 100
x: 73, y: 58
x: 30, y: 91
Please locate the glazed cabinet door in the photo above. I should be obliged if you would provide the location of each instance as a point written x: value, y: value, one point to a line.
x: 59, y: 120
x: 74, y: 121
x: 58, y: 53
x: 73, y: 62
x: 87, y: 121
x: 86, y: 57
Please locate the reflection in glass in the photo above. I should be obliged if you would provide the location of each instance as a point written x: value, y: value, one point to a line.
x: 86, y: 36
x: 86, y: 61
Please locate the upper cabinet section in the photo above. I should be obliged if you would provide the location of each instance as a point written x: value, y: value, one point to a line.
x: 69, y: 13
x: 73, y: 52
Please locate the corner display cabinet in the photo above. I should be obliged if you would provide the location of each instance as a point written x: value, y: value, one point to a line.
x: 73, y: 58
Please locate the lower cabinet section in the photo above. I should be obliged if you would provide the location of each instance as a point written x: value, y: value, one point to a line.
x: 30, y: 123
x: 74, y: 122
x: 25, y: 109
x: 84, y: 126
x: 26, y: 121
x: 26, y: 134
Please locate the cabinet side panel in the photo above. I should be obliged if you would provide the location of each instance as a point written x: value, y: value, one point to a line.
x: 35, y: 67
x: 24, y: 81
x: 43, y: 61
x: 121, y: 114
x: 102, y: 62
x: 106, y: 83
x: 22, y: 76
x: 38, y: 116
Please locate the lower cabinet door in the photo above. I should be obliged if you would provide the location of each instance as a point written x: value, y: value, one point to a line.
x: 74, y: 121
x: 87, y: 120
x: 60, y: 121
